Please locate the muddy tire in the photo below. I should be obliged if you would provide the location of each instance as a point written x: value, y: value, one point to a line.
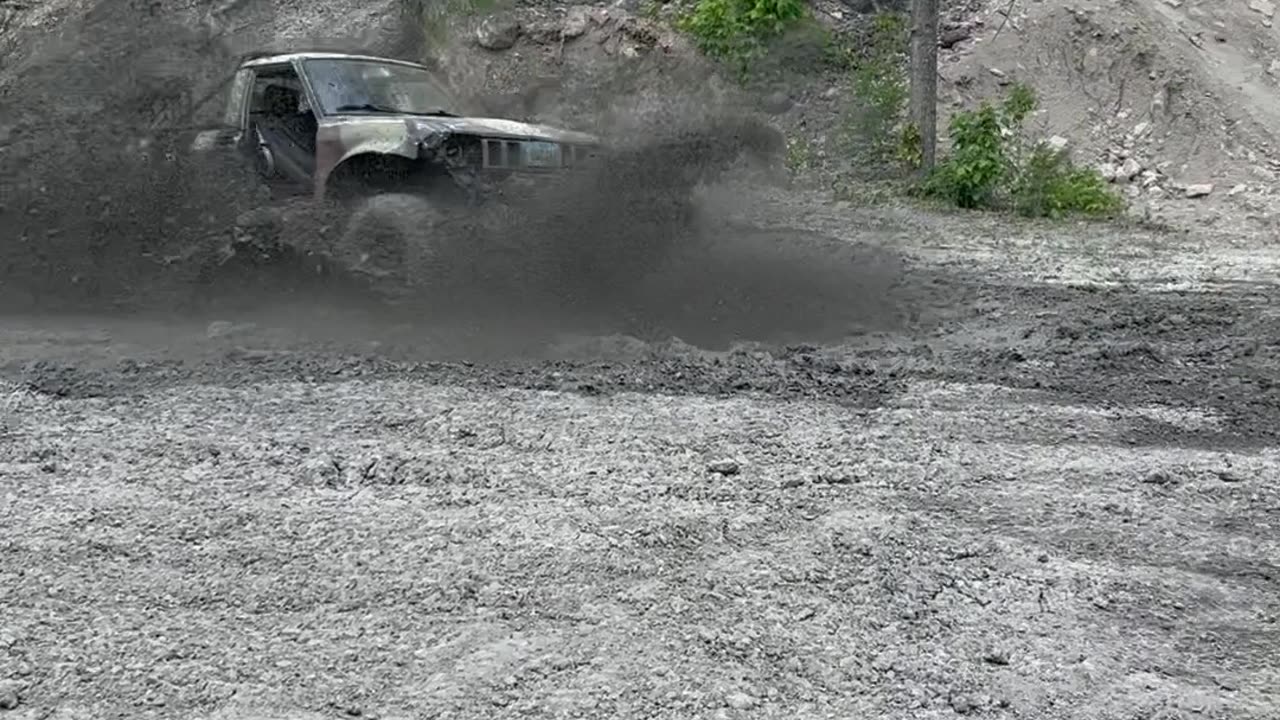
x: 392, y: 242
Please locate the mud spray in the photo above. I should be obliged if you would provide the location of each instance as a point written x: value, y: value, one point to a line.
x: 112, y: 221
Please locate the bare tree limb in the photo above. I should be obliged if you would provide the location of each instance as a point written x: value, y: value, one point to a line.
x: 1007, y: 12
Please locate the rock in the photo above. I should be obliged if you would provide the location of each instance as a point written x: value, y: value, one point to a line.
x: 831, y: 93
x: 1263, y: 7
x: 1058, y: 143
x: 949, y: 37
x: 963, y: 704
x: 1228, y: 476
x: 725, y: 467
x: 777, y: 102
x: 223, y: 328
x: 1237, y: 190
x: 1129, y: 169
x: 1198, y: 190
x: 1108, y: 172
x: 1141, y: 129
x: 575, y: 23
x: 497, y: 33
x: 9, y: 699
x: 996, y: 656
x: 739, y: 701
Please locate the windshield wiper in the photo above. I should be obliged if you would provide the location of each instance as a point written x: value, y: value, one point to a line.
x: 370, y: 107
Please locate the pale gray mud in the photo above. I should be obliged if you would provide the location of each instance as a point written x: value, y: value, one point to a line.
x: 1007, y: 489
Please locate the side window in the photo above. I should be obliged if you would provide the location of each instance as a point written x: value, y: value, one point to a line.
x: 275, y: 76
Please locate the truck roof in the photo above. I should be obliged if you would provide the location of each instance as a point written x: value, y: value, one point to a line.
x: 258, y: 59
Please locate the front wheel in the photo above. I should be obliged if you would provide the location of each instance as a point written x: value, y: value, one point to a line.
x: 392, y: 242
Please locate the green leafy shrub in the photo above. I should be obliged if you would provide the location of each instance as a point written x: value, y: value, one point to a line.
x: 1048, y: 185
x: 738, y: 30
x: 991, y: 165
x: 971, y: 175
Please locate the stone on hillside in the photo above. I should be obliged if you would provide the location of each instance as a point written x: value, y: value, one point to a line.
x: 951, y: 36
x: 1198, y: 190
x: 575, y: 23
x: 1129, y: 169
x: 497, y: 33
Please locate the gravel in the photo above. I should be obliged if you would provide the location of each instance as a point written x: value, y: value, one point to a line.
x: 953, y: 513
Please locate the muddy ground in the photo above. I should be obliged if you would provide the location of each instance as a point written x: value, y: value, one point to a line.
x: 1031, y: 474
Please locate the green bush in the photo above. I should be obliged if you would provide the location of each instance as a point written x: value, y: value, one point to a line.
x: 1048, y: 185
x: 991, y: 165
x: 738, y: 30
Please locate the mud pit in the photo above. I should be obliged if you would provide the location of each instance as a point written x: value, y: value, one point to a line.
x: 1038, y: 481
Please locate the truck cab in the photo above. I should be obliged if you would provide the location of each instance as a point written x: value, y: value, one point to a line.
x: 306, y: 118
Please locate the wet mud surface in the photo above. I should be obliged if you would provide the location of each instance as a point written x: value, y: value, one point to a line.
x: 852, y: 334
x: 930, y: 490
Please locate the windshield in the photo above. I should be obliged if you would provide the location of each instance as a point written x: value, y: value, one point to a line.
x: 343, y: 85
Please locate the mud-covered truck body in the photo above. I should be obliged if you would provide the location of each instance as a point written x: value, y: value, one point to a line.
x: 374, y: 167
x: 310, y: 120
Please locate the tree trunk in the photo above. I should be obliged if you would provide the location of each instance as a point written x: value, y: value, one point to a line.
x: 924, y: 78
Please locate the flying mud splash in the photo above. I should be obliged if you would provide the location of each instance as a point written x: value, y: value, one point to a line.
x: 170, y: 210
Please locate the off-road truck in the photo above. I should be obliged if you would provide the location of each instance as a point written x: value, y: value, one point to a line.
x: 372, y: 166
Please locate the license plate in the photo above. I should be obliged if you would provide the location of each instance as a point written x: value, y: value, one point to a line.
x: 542, y: 154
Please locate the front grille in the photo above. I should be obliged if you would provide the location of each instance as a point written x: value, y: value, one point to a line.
x: 505, y: 154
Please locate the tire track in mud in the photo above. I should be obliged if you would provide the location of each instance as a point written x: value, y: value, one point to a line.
x: 1217, y: 350
x: 1106, y: 347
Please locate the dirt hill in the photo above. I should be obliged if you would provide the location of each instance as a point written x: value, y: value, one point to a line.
x: 1164, y: 94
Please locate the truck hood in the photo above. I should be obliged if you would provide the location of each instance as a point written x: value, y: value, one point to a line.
x: 499, y: 128
x: 486, y: 127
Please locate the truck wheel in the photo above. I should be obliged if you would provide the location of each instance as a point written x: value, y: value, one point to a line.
x: 391, y: 241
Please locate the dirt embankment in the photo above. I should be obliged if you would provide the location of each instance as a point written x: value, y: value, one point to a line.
x: 1177, y: 102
